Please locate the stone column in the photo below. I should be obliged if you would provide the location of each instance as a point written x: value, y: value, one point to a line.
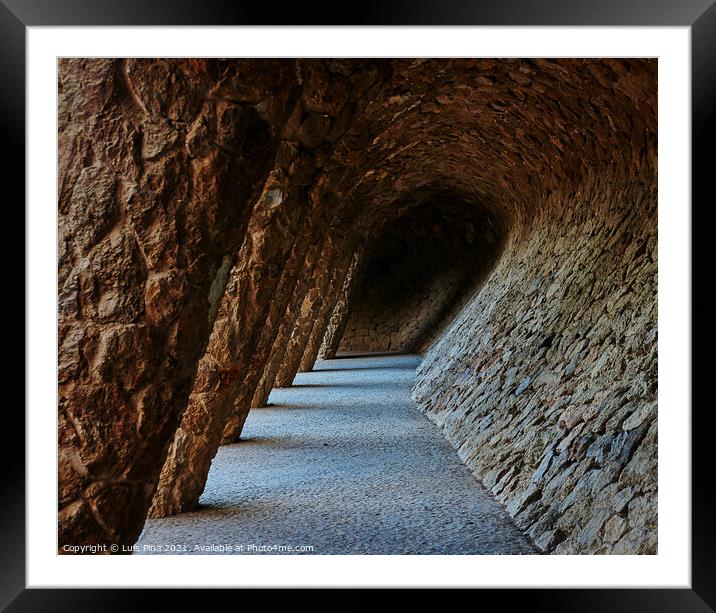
x: 298, y: 270
x: 339, y: 318
x: 155, y: 190
x: 297, y: 305
x: 255, y: 294
x: 249, y: 294
x: 315, y: 304
x: 328, y: 307
x: 307, y: 313
x: 268, y: 377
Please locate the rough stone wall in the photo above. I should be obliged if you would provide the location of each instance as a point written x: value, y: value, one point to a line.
x: 546, y: 382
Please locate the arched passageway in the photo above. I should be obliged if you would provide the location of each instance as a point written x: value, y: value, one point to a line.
x: 225, y: 222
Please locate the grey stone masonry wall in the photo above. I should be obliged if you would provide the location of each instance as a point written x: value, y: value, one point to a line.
x: 546, y: 383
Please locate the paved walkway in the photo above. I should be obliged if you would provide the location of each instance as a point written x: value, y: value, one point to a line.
x: 344, y: 463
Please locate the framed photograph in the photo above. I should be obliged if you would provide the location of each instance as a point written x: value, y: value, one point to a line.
x: 398, y: 301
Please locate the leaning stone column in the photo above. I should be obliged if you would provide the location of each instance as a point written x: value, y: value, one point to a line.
x: 320, y: 118
x: 268, y: 377
x: 156, y: 181
x: 330, y: 275
x: 319, y: 326
x: 307, y: 314
x: 243, y: 311
x: 339, y: 318
x: 298, y: 305
x: 303, y: 258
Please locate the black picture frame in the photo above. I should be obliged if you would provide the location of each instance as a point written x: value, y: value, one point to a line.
x: 700, y: 15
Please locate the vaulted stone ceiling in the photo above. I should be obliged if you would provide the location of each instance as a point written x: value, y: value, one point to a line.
x: 215, y: 215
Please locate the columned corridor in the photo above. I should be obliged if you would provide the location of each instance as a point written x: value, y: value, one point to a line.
x: 223, y: 223
x: 343, y: 462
